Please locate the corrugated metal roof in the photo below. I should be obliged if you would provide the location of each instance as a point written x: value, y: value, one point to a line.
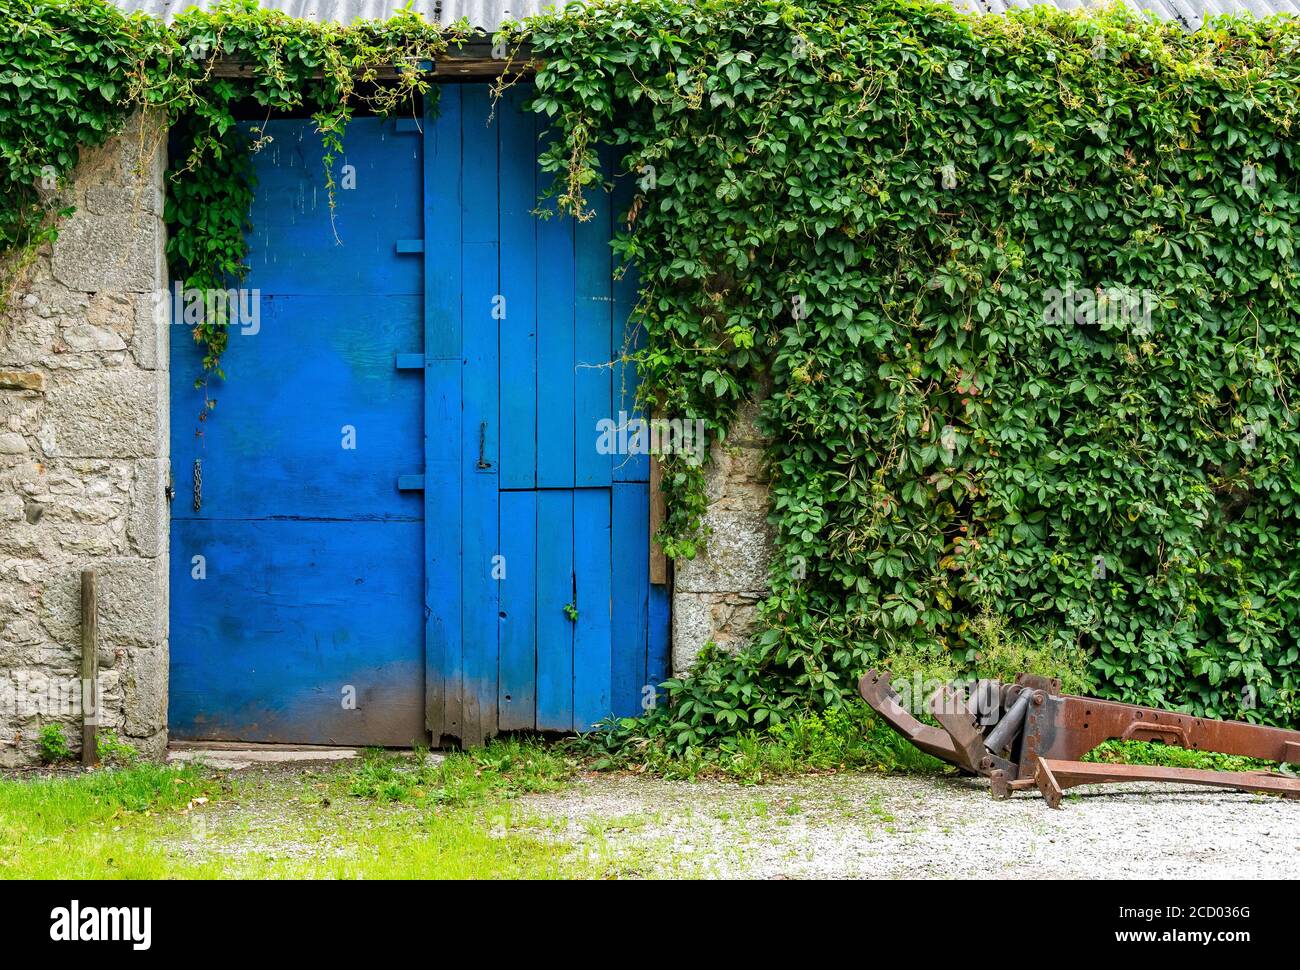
x: 489, y: 14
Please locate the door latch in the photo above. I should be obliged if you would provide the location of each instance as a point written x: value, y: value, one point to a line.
x: 482, y: 446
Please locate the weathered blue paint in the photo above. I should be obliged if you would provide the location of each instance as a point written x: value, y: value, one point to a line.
x: 443, y: 203
x: 630, y: 592
x: 517, y: 578
x: 593, y: 642
x: 555, y: 591
x: 519, y: 284
x: 476, y: 563
x: 296, y: 612
x: 480, y: 417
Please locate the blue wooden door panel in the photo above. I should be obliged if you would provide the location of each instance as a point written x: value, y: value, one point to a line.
x: 273, y: 445
x: 593, y: 345
x: 296, y: 632
x: 629, y: 545
x: 555, y: 372
x: 516, y: 575
x: 554, y: 627
x: 518, y: 139
x: 293, y: 243
x: 659, y: 654
x: 443, y: 376
x: 480, y: 418
x: 562, y: 637
x: 592, y: 633
x: 296, y: 612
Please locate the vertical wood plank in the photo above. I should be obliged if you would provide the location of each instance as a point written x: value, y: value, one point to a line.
x: 480, y: 417
x: 658, y: 561
x: 554, y: 628
x: 659, y: 655
x: 518, y: 140
x: 592, y: 636
x: 517, y: 697
x: 555, y: 372
x: 442, y: 417
x: 628, y: 338
x: 630, y: 531
x: 593, y: 344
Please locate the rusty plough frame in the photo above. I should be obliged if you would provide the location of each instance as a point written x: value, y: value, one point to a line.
x: 1028, y: 734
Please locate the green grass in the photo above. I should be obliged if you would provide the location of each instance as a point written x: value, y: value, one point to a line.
x: 391, y: 816
x: 99, y: 825
x: 504, y: 769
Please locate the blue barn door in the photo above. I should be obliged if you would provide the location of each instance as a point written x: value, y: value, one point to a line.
x: 296, y: 611
x: 556, y: 625
x: 473, y: 564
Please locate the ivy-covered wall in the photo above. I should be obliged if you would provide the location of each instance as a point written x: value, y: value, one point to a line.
x: 1024, y: 288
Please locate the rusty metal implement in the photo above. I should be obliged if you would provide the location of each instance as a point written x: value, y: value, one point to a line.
x: 1030, y: 735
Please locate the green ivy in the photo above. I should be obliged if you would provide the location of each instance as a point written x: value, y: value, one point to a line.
x: 867, y: 207
x: 72, y: 71
x: 65, y: 72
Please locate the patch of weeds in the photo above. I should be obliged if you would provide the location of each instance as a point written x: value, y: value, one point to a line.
x: 1001, y: 653
x: 100, y: 824
x: 850, y: 737
x: 505, y: 768
x: 1166, y: 755
x: 53, y: 803
x: 113, y: 750
x: 53, y: 744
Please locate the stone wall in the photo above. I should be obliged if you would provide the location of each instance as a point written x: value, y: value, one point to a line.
x: 84, y: 457
x: 715, y: 595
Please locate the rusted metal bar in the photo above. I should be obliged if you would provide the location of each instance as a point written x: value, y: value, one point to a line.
x: 1072, y: 726
x: 1060, y: 775
x: 875, y: 687
x: 1043, y: 733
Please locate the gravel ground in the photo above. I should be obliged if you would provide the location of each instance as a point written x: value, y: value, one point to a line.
x: 873, y: 826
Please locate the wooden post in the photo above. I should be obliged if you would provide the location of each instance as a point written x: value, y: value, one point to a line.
x: 89, y: 669
x: 658, y: 562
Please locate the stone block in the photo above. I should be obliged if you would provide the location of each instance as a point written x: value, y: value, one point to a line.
x: 150, y: 340
x: 108, y: 413
x: 147, y: 526
x: 144, y: 693
x: 22, y: 381
x: 736, y: 558
x: 131, y: 601
x: 119, y: 252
